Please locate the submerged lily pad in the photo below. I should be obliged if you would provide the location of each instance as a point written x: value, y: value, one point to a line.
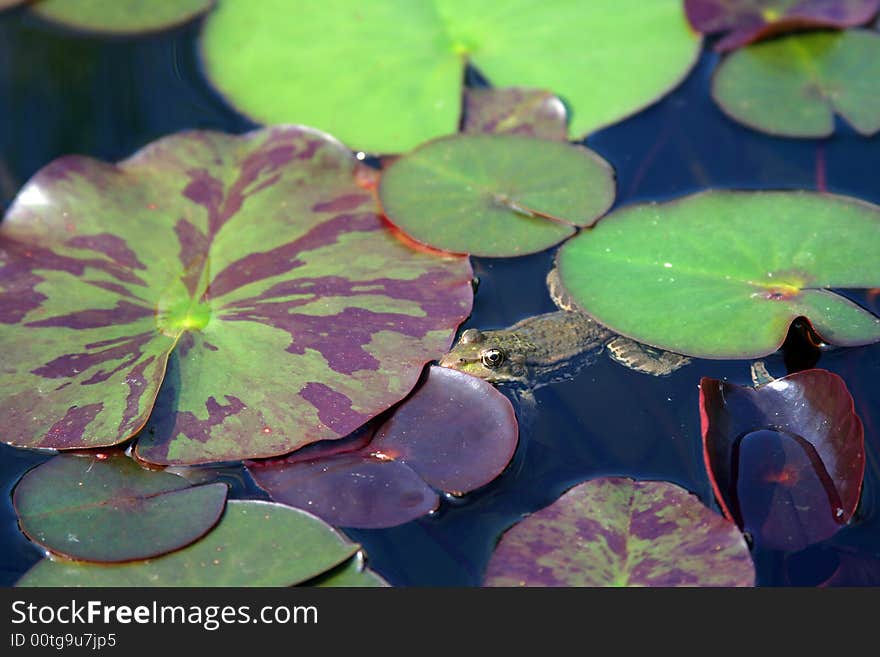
x: 455, y: 433
x: 495, y: 195
x: 619, y: 532
x: 786, y: 459
x: 108, y: 508
x: 120, y: 16
x: 403, y: 60
x: 293, y: 314
x: 515, y: 111
x: 255, y: 544
x: 744, y: 21
x: 722, y: 274
x: 794, y: 86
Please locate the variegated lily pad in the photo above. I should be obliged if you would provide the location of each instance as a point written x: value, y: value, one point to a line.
x: 120, y: 16
x: 108, y: 508
x: 744, y: 21
x: 292, y: 313
x: 255, y: 544
x: 619, y: 532
x: 514, y: 111
x: 455, y: 433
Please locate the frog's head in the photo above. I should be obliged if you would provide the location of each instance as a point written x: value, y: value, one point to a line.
x: 489, y: 355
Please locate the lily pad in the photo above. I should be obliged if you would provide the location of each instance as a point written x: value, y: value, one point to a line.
x: 516, y: 111
x: 293, y: 314
x: 744, y: 21
x: 353, y: 574
x: 6, y: 4
x: 404, y: 61
x: 255, y: 544
x: 120, y: 16
x: 722, y: 274
x: 495, y: 195
x: 786, y: 459
x: 108, y: 508
x: 455, y: 433
x: 619, y: 532
x: 794, y: 86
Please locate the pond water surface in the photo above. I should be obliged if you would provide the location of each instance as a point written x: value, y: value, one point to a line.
x: 63, y: 93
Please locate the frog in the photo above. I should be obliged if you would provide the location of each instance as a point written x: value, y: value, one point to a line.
x: 552, y: 346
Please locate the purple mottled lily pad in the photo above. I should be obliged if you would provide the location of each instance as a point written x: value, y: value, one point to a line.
x: 745, y: 21
x: 455, y: 433
x: 256, y: 262
x: 107, y: 508
x: 615, y: 531
x: 516, y: 111
x: 786, y: 459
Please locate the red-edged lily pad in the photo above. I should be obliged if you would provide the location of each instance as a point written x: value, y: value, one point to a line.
x: 786, y: 459
x: 744, y: 21
x: 514, y: 111
x: 293, y: 314
x: 108, y: 508
x: 255, y: 544
x: 495, y: 195
x: 619, y: 532
x: 455, y: 434
x: 120, y: 16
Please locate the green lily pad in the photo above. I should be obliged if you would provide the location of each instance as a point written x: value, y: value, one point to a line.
x: 293, y: 314
x: 255, y: 544
x: 722, y: 274
x: 387, y: 76
x: 108, y: 508
x: 515, y: 111
x: 495, y: 195
x: 120, y: 16
x: 353, y: 574
x: 794, y: 86
x: 619, y: 532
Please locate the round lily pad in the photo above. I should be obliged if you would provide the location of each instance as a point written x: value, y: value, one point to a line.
x: 786, y: 459
x: 514, y: 111
x: 794, y: 86
x: 387, y: 76
x: 722, y: 274
x: 619, y: 532
x: 108, y: 508
x: 354, y: 573
x: 495, y: 195
x: 455, y: 433
x: 744, y: 21
x: 292, y: 313
x: 255, y: 544
x: 120, y: 16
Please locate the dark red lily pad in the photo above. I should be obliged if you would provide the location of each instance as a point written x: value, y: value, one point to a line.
x: 619, y: 532
x: 745, y: 21
x: 293, y: 314
x: 786, y: 459
x: 514, y: 111
x: 107, y: 508
x: 455, y: 433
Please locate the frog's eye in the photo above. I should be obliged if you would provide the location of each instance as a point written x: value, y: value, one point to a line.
x: 492, y: 358
x: 471, y: 335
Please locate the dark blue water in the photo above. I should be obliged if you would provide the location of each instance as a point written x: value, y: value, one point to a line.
x: 62, y: 93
